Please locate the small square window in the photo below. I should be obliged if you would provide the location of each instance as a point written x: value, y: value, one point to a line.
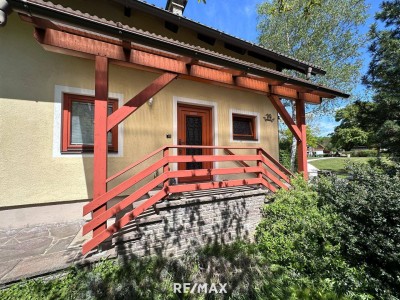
x: 243, y: 127
x: 78, y: 124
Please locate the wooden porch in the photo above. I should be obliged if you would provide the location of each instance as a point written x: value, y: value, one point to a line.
x: 258, y: 168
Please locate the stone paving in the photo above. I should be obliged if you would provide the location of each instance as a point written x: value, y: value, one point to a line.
x: 32, y: 251
x: 312, y: 171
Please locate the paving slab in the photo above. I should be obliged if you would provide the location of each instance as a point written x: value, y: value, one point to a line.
x: 79, y: 240
x: 3, y: 240
x: 12, y: 241
x: 39, y: 265
x: 9, y: 232
x: 40, y: 250
x: 64, y: 230
x: 7, y: 266
x: 60, y: 245
x: 32, y: 233
x: 31, y: 247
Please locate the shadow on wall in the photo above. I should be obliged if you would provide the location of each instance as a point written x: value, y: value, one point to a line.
x: 186, y: 227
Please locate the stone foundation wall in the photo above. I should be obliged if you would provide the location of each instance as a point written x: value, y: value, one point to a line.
x: 189, y: 222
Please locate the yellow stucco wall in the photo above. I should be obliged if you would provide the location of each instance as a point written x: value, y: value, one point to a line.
x: 31, y: 174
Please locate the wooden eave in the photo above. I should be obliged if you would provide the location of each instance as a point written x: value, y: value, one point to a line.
x: 181, y: 21
x: 135, y: 48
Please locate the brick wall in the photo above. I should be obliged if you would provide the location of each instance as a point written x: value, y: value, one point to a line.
x: 190, y: 221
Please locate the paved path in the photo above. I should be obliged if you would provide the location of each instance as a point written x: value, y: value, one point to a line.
x: 32, y: 251
x: 321, y: 158
x: 313, y: 171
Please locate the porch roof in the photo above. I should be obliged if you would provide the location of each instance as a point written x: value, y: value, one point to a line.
x: 283, y: 60
x: 235, y: 72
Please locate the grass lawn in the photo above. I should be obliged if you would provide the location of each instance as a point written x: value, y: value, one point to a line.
x: 337, y: 164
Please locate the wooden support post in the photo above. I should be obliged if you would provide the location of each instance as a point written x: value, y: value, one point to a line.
x: 302, y: 143
x: 100, y: 137
x: 259, y: 162
x: 166, y: 166
x: 132, y: 105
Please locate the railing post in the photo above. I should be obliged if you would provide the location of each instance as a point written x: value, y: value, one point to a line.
x: 166, y: 166
x: 259, y: 163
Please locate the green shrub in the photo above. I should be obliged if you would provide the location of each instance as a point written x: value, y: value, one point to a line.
x: 284, y: 158
x: 364, y: 153
x: 297, y: 234
x: 336, y: 239
x: 240, y: 265
x: 368, y: 223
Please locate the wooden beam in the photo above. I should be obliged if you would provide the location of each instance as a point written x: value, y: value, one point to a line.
x: 66, y: 42
x: 302, y: 143
x: 276, y: 102
x: 252, y: 84
x: 211, y: 74
x: 311, y: 98
x: 132, y: 105
x: 88, y: 45
x: 293, y: 93
x: 284, y: 92
x: 100, y: 137
x: 323, y: 95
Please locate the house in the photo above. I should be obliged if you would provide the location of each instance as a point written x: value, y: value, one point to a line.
x: 319, y: 150
x: 100, y: 99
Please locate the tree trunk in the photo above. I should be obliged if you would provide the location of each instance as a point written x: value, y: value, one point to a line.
x: 293, y: 150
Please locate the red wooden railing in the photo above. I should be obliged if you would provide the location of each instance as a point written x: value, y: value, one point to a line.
x: 267, y: 171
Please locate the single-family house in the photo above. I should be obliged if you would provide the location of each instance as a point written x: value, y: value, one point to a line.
x: 119, y: 99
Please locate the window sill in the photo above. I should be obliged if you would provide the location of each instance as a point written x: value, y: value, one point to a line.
x: 86, y: 152
x: 245, y: 140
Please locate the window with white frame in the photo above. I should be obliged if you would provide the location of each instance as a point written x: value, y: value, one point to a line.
x: 244, y: 126
x: 77, y: 124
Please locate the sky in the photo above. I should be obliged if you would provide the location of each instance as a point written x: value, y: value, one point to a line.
x: 239, y: 18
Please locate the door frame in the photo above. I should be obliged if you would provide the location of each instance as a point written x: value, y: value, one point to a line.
x: 205, y: 113
x: 214, y: 130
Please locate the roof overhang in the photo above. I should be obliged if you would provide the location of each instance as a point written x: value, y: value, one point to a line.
x: 280, y: 59
x: 71, y: 32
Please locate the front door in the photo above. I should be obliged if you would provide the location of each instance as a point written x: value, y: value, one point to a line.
x: 194, y: 128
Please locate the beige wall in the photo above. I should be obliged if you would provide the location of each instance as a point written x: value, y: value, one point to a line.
x: 29, y: 171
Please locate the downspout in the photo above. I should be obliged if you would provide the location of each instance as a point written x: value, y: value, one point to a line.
x: 5, y: 10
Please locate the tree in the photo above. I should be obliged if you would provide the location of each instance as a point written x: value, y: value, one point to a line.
x: 285, y: 140
x: 326, y: 142
x: 356, y: 126
x: 324, y: 32
x: 348, y: 138
x: 384, y: 76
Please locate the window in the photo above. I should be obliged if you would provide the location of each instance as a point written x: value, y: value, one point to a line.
x: 77, y: 124
x: 244, y: 127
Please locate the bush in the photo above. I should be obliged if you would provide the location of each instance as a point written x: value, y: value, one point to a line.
x: 240, y: 265
x: 364, y: 153
x: 368, y: 223
x: 297, y: 235
x: 335, y: 239
x: 284, y: 158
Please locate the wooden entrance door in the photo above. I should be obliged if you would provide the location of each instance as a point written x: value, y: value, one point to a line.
x: 194, y: 128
